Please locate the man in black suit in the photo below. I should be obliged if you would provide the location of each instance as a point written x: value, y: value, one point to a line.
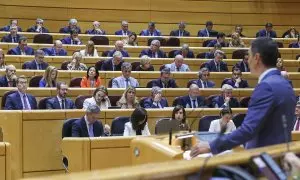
x: 38, y: 63
x: 10, y: 78
x: 13, y: 37
x: 193, y: 100
x: 113, y: 64
x: 243, y: 65
x: 88, y: 125
x: 60, y: 101
x: 217, y: 64
x: 180, y: 32
x: 203, y: 81
x: 236, y: 81
x: 164, y: 81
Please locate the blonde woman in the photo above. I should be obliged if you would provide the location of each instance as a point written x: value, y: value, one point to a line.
x: 145, y: 64
x: 236, y: 41
x: 75, y: 64
x: 49, y: 78
x: 90, y: 50
x: 128, y: 99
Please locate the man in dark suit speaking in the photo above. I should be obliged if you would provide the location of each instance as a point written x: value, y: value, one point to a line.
x: 272, y: 98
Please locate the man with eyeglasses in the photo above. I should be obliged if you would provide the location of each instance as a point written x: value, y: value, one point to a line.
x: 203, y: 81
x: 236, y: 81
x: 38, y: 27
x: 10, y: 78
x: 124, y: 29
x: 125, y: 80
x: 38, y: 63
x: 154, y: 51
x: 13, y: 36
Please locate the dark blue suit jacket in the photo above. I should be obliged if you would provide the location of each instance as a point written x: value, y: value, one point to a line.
x: 241, y: 66
x: 176, y: 33
x: 111, y: 53
x: 148, y: 103
x: 171, y: 84
x: 93, y: 31
x: 79, y: 128
x: 213, y: 42
x: 33, y: 29
x: 3, y: 81
x: 120, y: 32
x: 67, y: 30
x: 107, y: 65
x: 186, y: 102
x: 146, y: 32
x: 32, y: 65
x: 212, y: 66
x: 67, y: 40
x: 263, y: 33
x: 295, y: 45
x: 14, y: 102
x: 210, y: 84
x: 262, y: 126
x: 149, y: 53
x: 51, y: 52
x: 219, y: 100
x: 17, y: 51
x: 190, y: 54
x: 203, y: 33
x: 53, y: 103
x: 8, y: 38
x: 243, y: 83
x: 7, y: 28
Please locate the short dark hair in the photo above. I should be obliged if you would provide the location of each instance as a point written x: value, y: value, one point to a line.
x: 269, y: 25
x: 22, y: 38
x: 137, y: 116
x: 267, y: 49
x: 97, y: 72
x: 178, y: 108
x: 220, y: 35
x: 133, y: 34
x: 226, y: 110
x: 58, y: 84
x: 21, y: 77
x: 209, y: 23
x: 237, y: 69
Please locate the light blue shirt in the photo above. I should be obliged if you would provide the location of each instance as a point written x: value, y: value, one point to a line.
x: 120, y: 82
x: 182, y: 68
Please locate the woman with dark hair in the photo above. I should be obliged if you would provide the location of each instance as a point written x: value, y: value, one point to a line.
x: 225, y: 122
x: 292, y: 33
x: 130, y: 40
x: 100, y: 98
x: 91, y: 79
x: 138, y: 123
x: 180, y: 115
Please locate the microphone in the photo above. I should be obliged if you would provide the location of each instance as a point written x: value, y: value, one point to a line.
x: 170, y: 137
x: 285, y: 131
x: 194, y: 120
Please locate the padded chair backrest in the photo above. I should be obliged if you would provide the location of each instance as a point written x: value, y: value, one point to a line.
x: 205, y: 121
x: 110, y: 82
x: 35, y: 81
x: 164, y: 125
x: 64, y: 65
x: 99, y: 64
x: 24, y: 64
x: 190, y: 83
x: 238, y: 119
x: 150, y: 84
x: 201, y: 55
x: 205, y: 43
x: 105, y: 53
x: 118, y: 125
x: 142, y: 100
x: 203, y: 65
x: 208, y: 100
x: 223, y: 82
x: 245, y: 102
x: 113, y: 100
x: 280, y: 44
x: 79, y: 101
x: 161, y: 67
x: 42, y: 102
x: 43, y: 39
x: 175, y: 42
x: 238, y: 54
x: 75, y: 82
x: 172, y: 54
x: 298, y: 56
x: 177, y: 101
x: 67, y: 127
x: 134, y: 65
x: 100, y: 40
x: 4, y: 98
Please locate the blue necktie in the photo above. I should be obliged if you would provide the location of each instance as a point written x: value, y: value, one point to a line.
x: 40, y: 66
x: 194, y: 103
x: 91, y: 130
x: 127, y: 82
x: 25, y: 102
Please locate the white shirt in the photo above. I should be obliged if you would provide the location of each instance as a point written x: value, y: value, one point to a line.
x: 60, y: 102
x: 215, y: 126
x: 82, y: 52
x: 87, y: 124
x: 129, y: 131
x: 265, y: 73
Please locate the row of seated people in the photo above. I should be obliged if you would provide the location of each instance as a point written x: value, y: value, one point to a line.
x: 20, y: 99
x: 151, y: 30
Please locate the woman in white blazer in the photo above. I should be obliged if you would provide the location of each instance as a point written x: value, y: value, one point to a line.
x: 138, y: 123
x: 225, y: 121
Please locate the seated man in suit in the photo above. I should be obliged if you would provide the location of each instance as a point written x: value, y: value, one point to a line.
x: 217, y: 64
x: 156, y: 100
x: 56, y: 50
x: 60, y: 101
x: 72, y: 39
x: 72, y: 25
x: 151, y: 31
x: 38, y: 27
x: 206, y: 32
x: 114, y: 63
x: 236, y: 81
x: 22, y: 48
x: 203, y: 81
x: 154, y: 51
x: 124, y: 29
x: 13, y: 22
x: 185, y: 51
x: 211, y: 53
x: 38, y: 63
x: 96, y: 29
x: 125, y: 80
x: 119, y: 46
x: 193, y: 100
x: 10, y: 78
x: 225, y: 99
x: 165, y: 81
x: 20, y: 100
x: 13, y: 37
x: 220, y: 40
x: 88, y: 125
x: 296, y: 123
x: 177, y: 65
x: 180, y: 32
x: 267, y: 32
x: 243, y: 65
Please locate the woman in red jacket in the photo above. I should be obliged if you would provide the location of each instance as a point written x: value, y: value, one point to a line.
x: 91, y: 79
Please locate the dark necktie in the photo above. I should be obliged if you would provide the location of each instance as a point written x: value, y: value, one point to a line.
x: 91, y: 130
x: 178, y: 69
x: 218, y: 68
x: 127, y: 82
x: 25, y: 103
x: 40, y: 66
x: 10, y: 84
x: 297, y: 125
x: 14, y: 39
x: 205, y: 84
x: 194, y: 103
x: 63, y: 104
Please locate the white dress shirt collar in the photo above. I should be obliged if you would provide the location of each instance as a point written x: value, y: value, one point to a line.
x: 265, y: 73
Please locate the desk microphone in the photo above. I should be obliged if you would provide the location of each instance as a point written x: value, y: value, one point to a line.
x: 285, y: 131
x: 190, y: 128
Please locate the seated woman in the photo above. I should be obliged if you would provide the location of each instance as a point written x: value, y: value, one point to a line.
x: 180, y: 115
x: 130, y: 40
x: 100, y: 98
x: 75, y: 64
x: 236, y: 41
x: 128, y: 99
x: 90, y: 50
x: 138, y: 123
x: 145, y: 64
x: 279, y: 64
x: 292, y: 33
x: 225, y: 122
x: 49, y: 78
x: 2, y: 60
x: 92, y: 79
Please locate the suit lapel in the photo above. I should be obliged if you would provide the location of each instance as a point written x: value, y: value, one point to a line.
x: 18, y: 99
x: 56, y: 103
x: 85, y: 132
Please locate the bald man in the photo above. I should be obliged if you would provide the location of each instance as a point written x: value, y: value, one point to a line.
x: 56, y: 50
x: 119, y: 46
x: 96, y: 29
x: 10, y: 78
x: 177, y: 65
x: 193, y: 100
